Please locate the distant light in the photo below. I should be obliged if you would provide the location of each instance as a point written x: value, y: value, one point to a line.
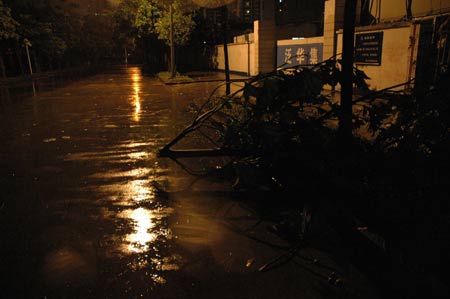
x: 295, y: 38
x: 204, y: 42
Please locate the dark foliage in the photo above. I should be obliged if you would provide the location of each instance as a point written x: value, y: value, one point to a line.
x: 281, y: 128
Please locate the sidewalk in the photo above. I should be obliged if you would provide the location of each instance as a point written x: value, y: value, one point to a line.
x: 8, y: 81
x: 203, y: 76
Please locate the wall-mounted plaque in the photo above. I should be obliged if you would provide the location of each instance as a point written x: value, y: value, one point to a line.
x: 368, y: 48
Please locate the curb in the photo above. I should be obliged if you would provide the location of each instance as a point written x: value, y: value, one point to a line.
x: 200, y: 81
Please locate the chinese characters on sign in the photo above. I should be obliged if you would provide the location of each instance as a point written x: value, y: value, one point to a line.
x: 303, y: 54
x: 368, y: 48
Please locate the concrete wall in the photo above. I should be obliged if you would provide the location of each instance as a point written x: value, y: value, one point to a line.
x: 244, y: 38
x: 396, y: 9
x: 398, y: 59
x: 288, y: 31
x: 333, y: 21
x: 305, y: 41
x: 265, y: 46
x: 240, y: 58
x: 294, y: 45
x: 399, y: 49
x: 261, y: 46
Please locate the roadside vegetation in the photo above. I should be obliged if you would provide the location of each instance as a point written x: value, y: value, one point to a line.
x: 62, y: 34
x: 166, y: 77
x: 391, y: 181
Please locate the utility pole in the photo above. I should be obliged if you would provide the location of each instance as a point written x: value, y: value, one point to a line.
x: 345, y: 117
x: 225, y: 48
x: 408, y: 9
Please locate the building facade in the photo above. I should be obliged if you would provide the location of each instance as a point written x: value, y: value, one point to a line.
x: 395, y: 41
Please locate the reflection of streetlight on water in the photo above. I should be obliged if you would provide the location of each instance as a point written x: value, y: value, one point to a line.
x: 136, y: 78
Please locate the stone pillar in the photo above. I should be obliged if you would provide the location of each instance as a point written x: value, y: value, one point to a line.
x: 333, y: 21
x: 265, y: 39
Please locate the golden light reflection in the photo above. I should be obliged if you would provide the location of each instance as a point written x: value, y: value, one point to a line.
x: 145, y: 228
x: 141, y: 237
x: 118, y: 173
x: 136, y: 79
x: 140, y: 190
x: 143, y: 219
x: 117, y: 156
x: 138, y: 155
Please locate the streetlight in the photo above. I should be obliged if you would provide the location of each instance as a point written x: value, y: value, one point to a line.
x: 27, y: 44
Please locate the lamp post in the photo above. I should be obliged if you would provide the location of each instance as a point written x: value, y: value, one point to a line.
x: 27, y: 44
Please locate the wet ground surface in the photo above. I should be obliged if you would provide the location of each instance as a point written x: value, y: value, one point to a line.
x: 80, y: 216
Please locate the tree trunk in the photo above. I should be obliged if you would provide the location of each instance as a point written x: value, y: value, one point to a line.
x: 345, y: 117
x: 225, y: 47
x: 2, y: 67
x: 172, y: 46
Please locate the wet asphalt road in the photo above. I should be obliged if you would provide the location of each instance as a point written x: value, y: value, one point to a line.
x: 81, y: 218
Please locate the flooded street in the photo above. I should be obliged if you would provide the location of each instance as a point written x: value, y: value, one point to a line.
x: 80, y: 216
